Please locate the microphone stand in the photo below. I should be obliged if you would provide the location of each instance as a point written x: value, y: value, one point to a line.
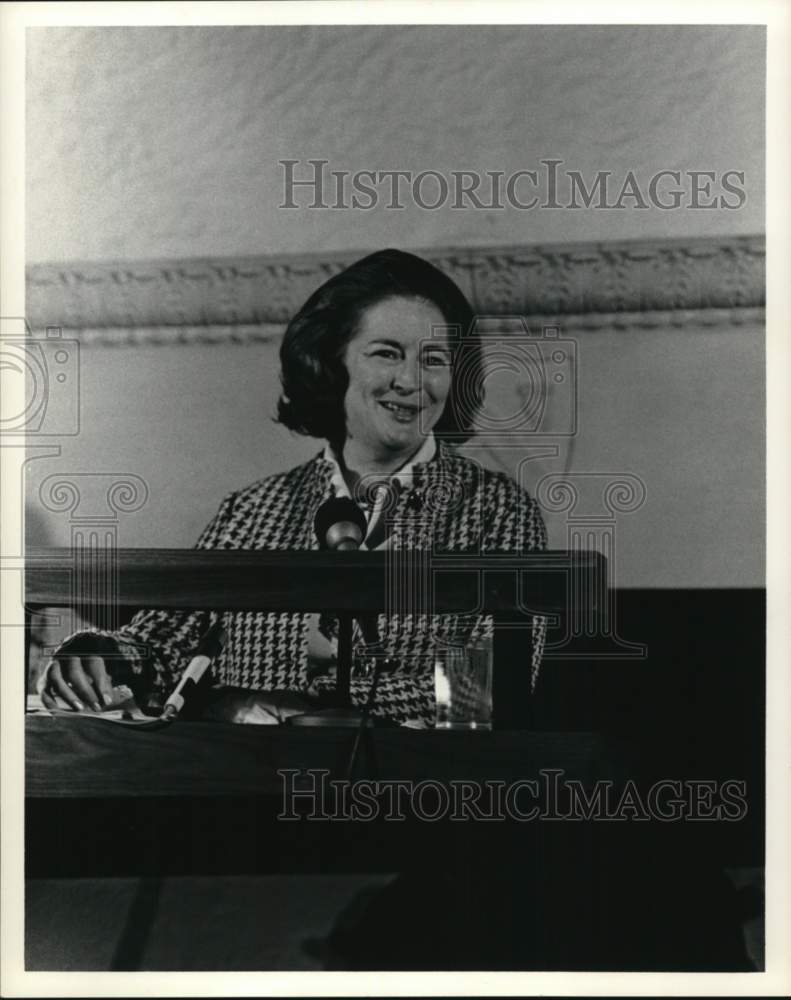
x: 343, y: 683
x: 339, y: 525
x: 342, y: 713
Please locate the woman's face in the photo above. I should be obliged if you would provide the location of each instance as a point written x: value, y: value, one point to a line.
x: 399, y: 379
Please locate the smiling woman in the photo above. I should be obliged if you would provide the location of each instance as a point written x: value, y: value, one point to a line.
x: 398, y: 383
x: 371, y: 363
x: 388, y: 311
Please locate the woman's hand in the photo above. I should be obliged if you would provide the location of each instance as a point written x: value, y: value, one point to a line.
x: 78, y: 677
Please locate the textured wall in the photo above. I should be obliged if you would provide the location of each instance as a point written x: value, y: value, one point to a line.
x: 162, y: 142
x: 194, y: 423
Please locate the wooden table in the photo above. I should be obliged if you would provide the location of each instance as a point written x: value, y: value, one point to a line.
x: 85, y: 757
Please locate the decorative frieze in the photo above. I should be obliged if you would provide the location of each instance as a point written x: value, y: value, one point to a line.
x: 631, y: 284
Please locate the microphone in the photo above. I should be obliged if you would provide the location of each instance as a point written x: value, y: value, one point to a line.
x: 340, y: 524
x: 208, y: 648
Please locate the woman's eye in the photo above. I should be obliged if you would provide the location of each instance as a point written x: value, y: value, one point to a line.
x: 436, y: 361
x: 385, y: 352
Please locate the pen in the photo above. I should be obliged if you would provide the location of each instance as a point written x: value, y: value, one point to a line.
x: 206, y: 650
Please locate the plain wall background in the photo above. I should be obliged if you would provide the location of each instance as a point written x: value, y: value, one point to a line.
x: 157, y: 143
x: 165, y: 142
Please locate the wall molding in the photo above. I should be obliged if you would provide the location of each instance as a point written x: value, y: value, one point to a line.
x: 245, y: 334
x: 628, y: 284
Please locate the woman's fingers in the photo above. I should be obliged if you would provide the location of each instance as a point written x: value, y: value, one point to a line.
x: 58, y: 686
x: 48, y: 701
x: 97, y: 672
x: 81, y: 683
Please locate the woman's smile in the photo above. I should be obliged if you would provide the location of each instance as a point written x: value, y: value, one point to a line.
x: 402, y: 412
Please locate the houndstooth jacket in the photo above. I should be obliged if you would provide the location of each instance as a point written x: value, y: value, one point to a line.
x: 452, y: 504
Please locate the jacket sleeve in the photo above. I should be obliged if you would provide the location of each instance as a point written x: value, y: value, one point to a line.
x: 519, y: 527
x: 150, y: 653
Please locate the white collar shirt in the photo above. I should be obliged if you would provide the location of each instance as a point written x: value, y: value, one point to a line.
x: 402, y: 476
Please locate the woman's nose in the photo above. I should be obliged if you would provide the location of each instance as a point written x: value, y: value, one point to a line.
x: 406, y: 377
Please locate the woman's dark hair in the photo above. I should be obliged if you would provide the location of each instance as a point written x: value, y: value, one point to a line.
x: 313, y: 375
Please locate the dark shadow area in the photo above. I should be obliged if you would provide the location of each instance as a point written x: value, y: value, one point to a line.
x: 635, y: 894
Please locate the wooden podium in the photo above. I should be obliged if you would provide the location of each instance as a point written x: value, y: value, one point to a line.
x: 512, y: 587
